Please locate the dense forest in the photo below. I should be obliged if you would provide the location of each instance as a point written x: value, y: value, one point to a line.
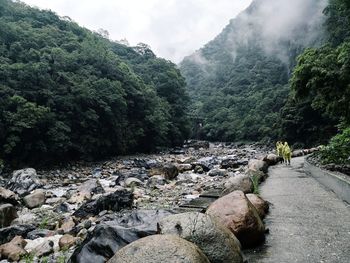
x: 239, y: 81
x: 68, y: 93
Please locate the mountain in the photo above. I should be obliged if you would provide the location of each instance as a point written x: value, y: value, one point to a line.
x: 238, y: 82
x: 69, y: 93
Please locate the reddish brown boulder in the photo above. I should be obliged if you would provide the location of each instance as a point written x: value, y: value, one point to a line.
x: 260, y: 204
x: 239, y: 215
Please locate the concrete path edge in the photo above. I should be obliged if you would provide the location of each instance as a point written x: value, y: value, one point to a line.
x: 336, y: 182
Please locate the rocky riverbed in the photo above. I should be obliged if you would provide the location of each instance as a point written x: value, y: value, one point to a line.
x: 86, y: 212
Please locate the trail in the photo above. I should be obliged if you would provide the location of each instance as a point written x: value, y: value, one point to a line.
x: 307, y: 223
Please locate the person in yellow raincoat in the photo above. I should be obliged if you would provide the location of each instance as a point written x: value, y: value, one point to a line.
x: 287, y: 153
x: 279, y: 150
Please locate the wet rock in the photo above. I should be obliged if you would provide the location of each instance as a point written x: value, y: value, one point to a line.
x: 238, y: 182
x: 116, y: 201
x: 23, y: 181
x: 258, y: 165
x: 118, y: 231
x: 236, y: 213
x: 35, y: 199
x: 160, y: 249
x: 8, y: 197
x: 215, y: 240
x: 37, y: 233
x: 13, y: 250
x: 8, y: 233
x: 217, y: 172
x: 7, y: 214
x: 260, y: 204
x: 67, y: 241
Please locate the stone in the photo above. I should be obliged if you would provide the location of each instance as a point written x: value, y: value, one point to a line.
x: 217, y: 172
x: 67, y: 241
x: 168, y: 171
x: 183, y: 167
x: 258, y: 165
x: 197, y: 144
x: 44, y: 249
x: 260, y: 204
x: 160, y: 249
x: 297, y: 153
x: 67, y: 226
x: 7, y: 214
x: 8, y: 197
x: 207, y: 163
x: 232, y: 162
x: 8, y: 233
x: 86, y: 190
x: 116, y: 201
x: 130, y: 182
x: 23, y: 181
x: 237, y: 213
x: 214, y: 239
x: 108, y: 237
x: 155, y: 181
x: 35, y: 199
x: 38, y: 233
x: 258, y: 175
x: 271, y: 159
x: 241, y: 182
x: 13, y: 250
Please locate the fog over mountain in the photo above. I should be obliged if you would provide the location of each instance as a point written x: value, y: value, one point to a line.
x: 252, y: 58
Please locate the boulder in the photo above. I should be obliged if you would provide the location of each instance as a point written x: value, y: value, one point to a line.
x: 160, y: 249
x: 217, y: 172
x: 37, y: 233
x: 131, y: 181
x: 67, y: 225
x: 259, y: 175
x: 260, y: 204
x: 271, y: 159
x: 23, y: 181
x: 257, y: 165
x: 116, y: 201
x: 183, y: 167
x: 168, y: 171
x: 232, y: 162
x: 35, y: 199
x: 43, y: 249
x: 43, y: 245
x: 67, y: 241
x: 120, y: 230
x: 297, y: 153
x: 236, y: 213
x: 207, y: 163
x: 13, y: 250
x: 8, y: 233
x: 7, y: 214
x: 241, y: 182
x: 8, y: 197
x: 215, y: 240
x: 156, y: 181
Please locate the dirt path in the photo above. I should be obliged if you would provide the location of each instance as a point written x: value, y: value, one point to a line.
x: 307, y: 223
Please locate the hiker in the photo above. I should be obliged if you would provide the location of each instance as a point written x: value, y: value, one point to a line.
x: 279, y: 149
x: 287, y: 153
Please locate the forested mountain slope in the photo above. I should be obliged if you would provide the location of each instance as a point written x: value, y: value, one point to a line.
x: 66, y: 92
x: 239, y: 81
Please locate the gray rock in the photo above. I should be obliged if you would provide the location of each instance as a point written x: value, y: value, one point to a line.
x: 160, y: 249
x: 37, y: 233
x: 156, y: 180
x: 129, y: 182
x: 271, y: 159
x: 43, y: 249
x: 8, y: 233
x: 7, y: 214
x: 257, y: 165
x: 217, y: 172
x: 23, y: 181
x: 238, y: 182
x: 35, y: 199
x: 215, y: 240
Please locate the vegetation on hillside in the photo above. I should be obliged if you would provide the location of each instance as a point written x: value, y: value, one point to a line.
x: 68, y: 93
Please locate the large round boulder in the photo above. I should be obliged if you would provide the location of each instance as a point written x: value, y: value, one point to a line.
x: 258, y: 165
x: 160, y: 249
x: 238, y: 214
x: 241, y: 182
x: 271, y: 159
x: 35, y: 199
x: 260, y: 204
x: 215, y: 240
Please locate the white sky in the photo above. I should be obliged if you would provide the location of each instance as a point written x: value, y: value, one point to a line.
x: 173, y: 28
